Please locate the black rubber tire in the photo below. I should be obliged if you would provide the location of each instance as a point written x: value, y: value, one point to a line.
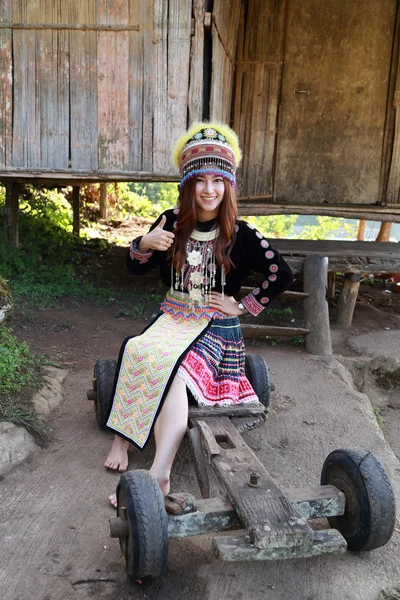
x: 257, y: 373
x: 104, y: 373
x: 145, y: 551
x: 370, y: 515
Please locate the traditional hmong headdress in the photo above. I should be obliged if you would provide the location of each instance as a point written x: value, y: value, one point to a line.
x: 207, y: 148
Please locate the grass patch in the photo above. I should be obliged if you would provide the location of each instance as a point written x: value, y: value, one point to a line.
x: 390, y: 594
x: 380, y: 418
x: 20, y: 377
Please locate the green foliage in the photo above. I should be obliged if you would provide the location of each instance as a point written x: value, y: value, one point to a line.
x: 390, y: 594
x: 19, y: 376
x: 17, y: 364
x: 298, y: 340
x: 379, y: 417
x: 280, y: 312
x: 124, y: 200
x: 327, y: 228
x: 44, y: 267
x: 276, y: 226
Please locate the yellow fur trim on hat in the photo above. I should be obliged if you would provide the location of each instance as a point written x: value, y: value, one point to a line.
x: 225, y: 130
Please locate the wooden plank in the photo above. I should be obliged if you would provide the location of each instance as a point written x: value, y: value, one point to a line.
x: 258, y: 82
x: 52, y: 64
x: 179, y: 35
x: 141, y: 72
x: 316, y: 312
x: 113, y: 86
x: 348, y: 299
x: 26, y: 128
x: 233, y: 548
x: 270, y: 519
x: 393, y: 188
x: 391, y: 142
x: 5, y: 85
x: 333, y: 248
x: 161, y: 143
x: 339, y: 52
x: 217, y: 514
x: 263, y: 206
x: 225, y: 24
x: 195, y: 98
x: 316, y: 502
x: 238, y: 410
x: 210, y: 445
x: 199, y: 462
x: 213, y: 515
x: 256, y: 331
x: 83, y: 84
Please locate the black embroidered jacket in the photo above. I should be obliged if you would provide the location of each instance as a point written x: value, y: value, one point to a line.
x: 250, y: 252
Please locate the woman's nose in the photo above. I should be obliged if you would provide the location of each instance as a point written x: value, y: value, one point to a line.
x: 209, y: 186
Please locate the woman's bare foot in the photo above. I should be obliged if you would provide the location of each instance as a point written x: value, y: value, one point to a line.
x: 163, y: 482
x: 117, y: 459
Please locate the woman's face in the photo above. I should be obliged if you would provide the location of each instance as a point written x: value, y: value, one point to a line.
x: 209, y: 193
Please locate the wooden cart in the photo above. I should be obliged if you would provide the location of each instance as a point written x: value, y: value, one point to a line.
x: 355, y: 495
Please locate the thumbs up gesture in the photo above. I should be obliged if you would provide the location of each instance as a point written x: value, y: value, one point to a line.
x: 157, y: 239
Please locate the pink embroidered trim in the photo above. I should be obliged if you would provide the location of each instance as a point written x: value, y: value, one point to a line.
x: 252, y: 305
x: 136, y: 254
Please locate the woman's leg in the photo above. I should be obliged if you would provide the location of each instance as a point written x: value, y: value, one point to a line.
x: 117, y: 458
x: 169, y: 430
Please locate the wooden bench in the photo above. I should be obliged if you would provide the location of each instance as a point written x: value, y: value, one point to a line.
x: 320, y: 260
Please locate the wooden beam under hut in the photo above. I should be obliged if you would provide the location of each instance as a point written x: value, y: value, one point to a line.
x: 11, y: 213
x: 75, y: 208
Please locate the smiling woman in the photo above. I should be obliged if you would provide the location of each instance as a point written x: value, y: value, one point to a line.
x: 204, y: 253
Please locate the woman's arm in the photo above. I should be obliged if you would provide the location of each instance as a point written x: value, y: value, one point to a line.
x: 146, y: 252
x: 261, y: 257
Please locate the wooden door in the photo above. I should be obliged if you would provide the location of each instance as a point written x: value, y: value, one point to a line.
x: 333, y: 103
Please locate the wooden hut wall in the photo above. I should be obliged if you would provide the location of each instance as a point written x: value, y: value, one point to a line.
x: 107, y: 92
x: 257, y: 89
x: 225, y: 25
x: 5, y: 84
x: 393, y: 187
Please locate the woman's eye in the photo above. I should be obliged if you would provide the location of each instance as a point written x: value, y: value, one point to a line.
x: 218, y: 180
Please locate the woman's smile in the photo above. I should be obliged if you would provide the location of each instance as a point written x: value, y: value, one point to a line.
x: 209, y: 193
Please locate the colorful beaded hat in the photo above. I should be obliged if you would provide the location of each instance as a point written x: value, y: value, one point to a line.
x: 207, y: 149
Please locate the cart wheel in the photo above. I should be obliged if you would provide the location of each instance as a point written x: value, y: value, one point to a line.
x: 258, y: 374
x: 104, y: 374
x: 140, y: 501
x: 370, y: 514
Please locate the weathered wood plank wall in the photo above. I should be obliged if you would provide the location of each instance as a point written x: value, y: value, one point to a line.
x: 225, y: 23
x: 257, y: 89
x: 95, y: 99
x: 5, y: 83
x: 393, y: 188
x: 83, y: 84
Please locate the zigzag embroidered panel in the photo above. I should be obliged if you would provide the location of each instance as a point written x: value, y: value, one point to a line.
x: 146, y: 367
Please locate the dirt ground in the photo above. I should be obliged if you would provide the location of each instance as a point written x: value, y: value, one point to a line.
x: 54, y: 513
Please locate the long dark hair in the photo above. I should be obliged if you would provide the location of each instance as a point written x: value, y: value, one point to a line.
x: 186, y: 222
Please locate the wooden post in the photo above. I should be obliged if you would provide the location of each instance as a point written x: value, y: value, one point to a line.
x: 361, y: 230
x: 11, y: 213
x: 331, y: 285
x: 316, y: 311
x: 103, y: 200
x: 75, y: 207
x: 348, y: 299
x: 384, y: 232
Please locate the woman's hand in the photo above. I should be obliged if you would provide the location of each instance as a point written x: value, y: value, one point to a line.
x: 225, y: 304
x: 157, y: 239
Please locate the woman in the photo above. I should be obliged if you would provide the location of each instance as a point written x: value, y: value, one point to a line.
x: 204, y: 253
